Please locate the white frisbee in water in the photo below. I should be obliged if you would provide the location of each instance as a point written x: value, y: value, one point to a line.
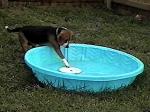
x: 72, y: 70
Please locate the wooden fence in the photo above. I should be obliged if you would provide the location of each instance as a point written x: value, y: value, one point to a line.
x: 132, y: 3
x: 5, y: 3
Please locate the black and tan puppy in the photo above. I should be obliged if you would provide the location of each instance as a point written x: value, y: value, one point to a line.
x: 32, y: 35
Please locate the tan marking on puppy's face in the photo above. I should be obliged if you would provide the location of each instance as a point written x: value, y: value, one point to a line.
x: 64, y: 37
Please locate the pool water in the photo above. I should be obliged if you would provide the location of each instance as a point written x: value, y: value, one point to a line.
x: 101, y: 63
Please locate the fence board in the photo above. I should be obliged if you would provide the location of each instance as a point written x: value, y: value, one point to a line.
x: 140, y: 5
x: 3, y: 3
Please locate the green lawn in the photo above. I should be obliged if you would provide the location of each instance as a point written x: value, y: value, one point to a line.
x: 96, y: 26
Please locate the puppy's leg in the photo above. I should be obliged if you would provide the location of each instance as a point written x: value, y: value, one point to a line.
x: 23, y: 41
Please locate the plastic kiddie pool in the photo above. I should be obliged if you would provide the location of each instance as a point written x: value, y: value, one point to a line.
x: 102, y: 68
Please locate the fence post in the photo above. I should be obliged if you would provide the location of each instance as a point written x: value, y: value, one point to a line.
x: 4, y: 3
x: 108, y: 3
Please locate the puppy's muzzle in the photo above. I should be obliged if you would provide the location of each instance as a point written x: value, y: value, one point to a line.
x: 65, y: 45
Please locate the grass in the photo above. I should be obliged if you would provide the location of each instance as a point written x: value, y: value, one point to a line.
x: 96, y: 26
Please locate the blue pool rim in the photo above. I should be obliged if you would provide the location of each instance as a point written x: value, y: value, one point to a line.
x: 87, y: 78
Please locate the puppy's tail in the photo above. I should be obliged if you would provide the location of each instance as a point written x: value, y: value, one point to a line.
x: 13, y: 30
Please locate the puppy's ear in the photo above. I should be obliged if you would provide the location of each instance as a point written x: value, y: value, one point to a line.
x: 60, y: 34
x: 72, y: 33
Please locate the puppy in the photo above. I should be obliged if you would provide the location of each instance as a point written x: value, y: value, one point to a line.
x: 56, y: 36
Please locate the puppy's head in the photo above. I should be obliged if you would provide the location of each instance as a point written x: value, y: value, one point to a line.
x: 64, y: 38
